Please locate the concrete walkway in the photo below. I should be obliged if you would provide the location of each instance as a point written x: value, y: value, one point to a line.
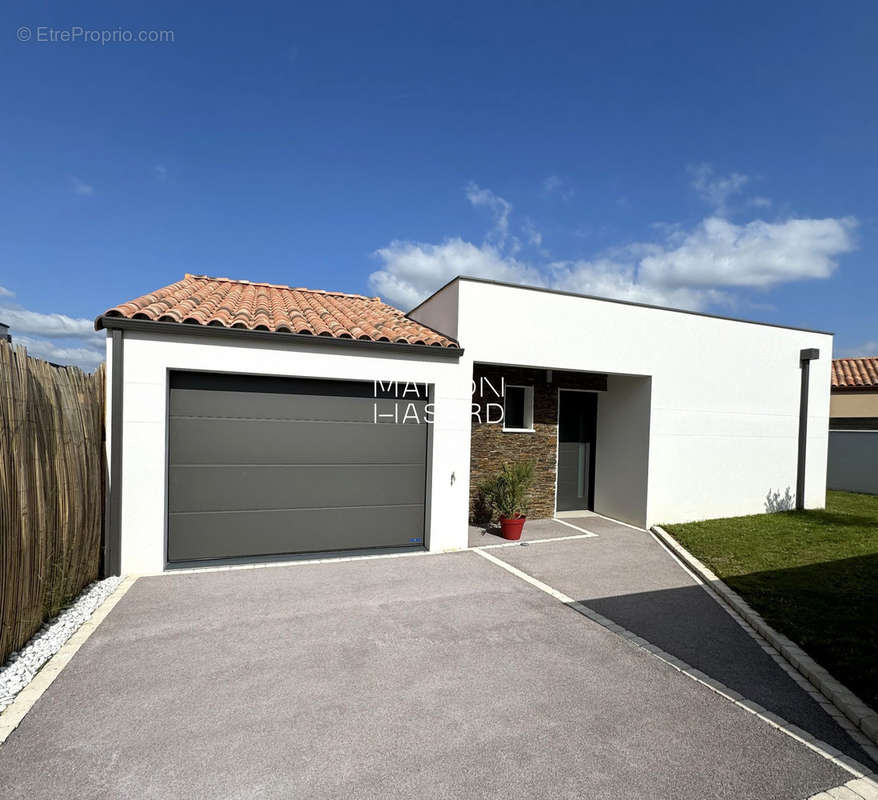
x: 627, y: 576
x: 537, y: 530
x: 427, y: 676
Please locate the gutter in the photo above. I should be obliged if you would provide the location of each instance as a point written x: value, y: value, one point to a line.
x: 183, y: 329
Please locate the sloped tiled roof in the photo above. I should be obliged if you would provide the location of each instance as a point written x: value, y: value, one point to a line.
x: 855, y: 373
x: 201, y: 300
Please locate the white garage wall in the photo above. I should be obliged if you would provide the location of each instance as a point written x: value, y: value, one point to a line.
x: 147, y: 359
x: 724, y: 394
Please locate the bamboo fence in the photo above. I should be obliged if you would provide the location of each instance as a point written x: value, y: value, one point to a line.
x: 51, y: 489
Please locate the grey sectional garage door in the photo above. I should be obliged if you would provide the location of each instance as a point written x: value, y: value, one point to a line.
x: 269, y: 466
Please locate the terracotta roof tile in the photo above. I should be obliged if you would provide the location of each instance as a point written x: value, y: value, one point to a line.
x: 855, y: 373
x: 201, y: 300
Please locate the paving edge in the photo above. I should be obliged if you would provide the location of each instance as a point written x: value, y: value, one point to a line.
x: 15, y: 712
x: 864, y: 718
x: 857, y: 789
x: 827, y: 751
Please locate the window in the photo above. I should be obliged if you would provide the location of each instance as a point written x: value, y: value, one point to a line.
x: 518, y: 408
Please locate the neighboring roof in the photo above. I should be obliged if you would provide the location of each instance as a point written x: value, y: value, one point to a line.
x: 564, y: 293
x: 855, y: 373
x: 226, y: 303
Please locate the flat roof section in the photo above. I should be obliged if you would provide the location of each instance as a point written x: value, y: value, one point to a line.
x: 613, y: 300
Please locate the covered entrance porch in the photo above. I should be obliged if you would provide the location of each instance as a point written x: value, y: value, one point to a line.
x: 586, y: 433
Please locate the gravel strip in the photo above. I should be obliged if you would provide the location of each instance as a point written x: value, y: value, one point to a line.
x: 22, y: 666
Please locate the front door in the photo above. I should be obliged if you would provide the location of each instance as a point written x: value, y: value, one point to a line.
x: 577, y: 423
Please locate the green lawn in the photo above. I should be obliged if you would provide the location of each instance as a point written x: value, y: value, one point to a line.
x: 812, y: 574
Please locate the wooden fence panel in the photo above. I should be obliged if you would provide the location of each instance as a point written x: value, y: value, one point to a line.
x: 51, y: 489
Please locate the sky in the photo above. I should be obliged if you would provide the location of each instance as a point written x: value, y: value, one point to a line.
x: 716, y: 157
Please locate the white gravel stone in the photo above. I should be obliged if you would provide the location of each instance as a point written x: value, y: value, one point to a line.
x: 23, y: 665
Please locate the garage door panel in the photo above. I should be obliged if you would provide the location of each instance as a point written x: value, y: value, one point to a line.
x: 255, y: 405
x: 238, y: 488
x: 201, y: 536
x: 227, y: 441
x: 274, y: 466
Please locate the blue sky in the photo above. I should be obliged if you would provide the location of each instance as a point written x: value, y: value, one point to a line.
x: 718, y: 157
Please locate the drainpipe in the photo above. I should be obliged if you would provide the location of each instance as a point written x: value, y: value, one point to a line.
x: 806, y: 356
x: 112, y: 555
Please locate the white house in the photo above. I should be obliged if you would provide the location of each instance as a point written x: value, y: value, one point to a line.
x: 252, y: 421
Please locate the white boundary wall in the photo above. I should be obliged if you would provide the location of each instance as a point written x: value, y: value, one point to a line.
x: 853, y: 461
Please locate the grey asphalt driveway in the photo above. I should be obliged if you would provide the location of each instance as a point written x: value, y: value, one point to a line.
x: 429, y: 676
x: 625, y: 575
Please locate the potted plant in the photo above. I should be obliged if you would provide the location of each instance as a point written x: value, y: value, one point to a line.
x: 507, y: 495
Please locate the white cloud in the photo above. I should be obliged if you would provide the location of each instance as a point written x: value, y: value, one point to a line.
x: 51, y: 325
x: 412, y: 270
x: 4, y: 292
x: 869, y: 348
x: 691, y: 268
x: 55, y: 337
x: 161, y: 172
x: 80, y: 187
x: 619, y: 281
x: 759, y: 254
x: 88, y: 357
x: 499, y: 208
x: 556, y: 185
x: 715, y: 190
x: 534, y: 235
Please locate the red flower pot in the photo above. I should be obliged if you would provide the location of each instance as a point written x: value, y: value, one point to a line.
x: 510, y: 528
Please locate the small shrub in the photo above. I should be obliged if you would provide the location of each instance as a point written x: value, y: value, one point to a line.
x: 508, y: 492
x: 775, y: 501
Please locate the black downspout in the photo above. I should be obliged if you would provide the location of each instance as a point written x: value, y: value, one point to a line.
x: 113, y: 524
x: 806, y: 356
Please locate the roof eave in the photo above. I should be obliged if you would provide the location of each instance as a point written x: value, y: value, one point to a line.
x: 185, y: 329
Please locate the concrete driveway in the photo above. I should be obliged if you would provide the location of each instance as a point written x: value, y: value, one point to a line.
x: 440, y: 676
